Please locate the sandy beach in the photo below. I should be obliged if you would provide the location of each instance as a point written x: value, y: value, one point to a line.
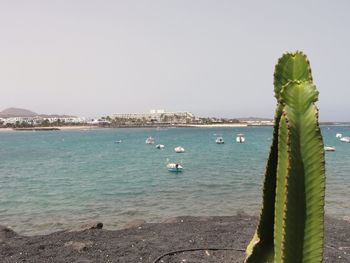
x: 66, y: 128
x: 198, y: 240
x: 225, y: 125
x: 62, y: 128
x: 6, y: 130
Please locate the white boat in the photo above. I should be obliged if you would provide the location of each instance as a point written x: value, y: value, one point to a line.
x: 174, y: 167
x: 119, y: 141
x: 339, y: 135
x: 240, y: 138
x: 329, y: 149
x: 149, y: 140
x: 179, y: 149
x: 219, y: 140
x: 345, y: 139
x: 160, y: 146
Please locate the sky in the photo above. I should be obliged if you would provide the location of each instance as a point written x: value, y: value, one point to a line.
x: 212, y: 58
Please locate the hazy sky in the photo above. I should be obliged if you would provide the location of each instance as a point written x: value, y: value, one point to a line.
x: 213, y: 58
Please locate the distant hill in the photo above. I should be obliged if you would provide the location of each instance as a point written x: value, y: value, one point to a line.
x: 17, y: 112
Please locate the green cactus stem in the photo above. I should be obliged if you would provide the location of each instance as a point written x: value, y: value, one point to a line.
x: 291, y: 220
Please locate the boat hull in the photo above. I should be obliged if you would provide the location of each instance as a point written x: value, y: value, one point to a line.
x: 174, y: 170
x: 329, y: 149
x: 345, y: 139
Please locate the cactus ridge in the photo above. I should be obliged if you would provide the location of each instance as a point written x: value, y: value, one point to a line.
x: 283, y: 170
x: 303, y: 209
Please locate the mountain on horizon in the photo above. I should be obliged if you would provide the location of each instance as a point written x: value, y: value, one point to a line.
x: 17, y: 112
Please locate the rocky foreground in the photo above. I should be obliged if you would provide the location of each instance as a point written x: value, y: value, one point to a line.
x: 145, y: 242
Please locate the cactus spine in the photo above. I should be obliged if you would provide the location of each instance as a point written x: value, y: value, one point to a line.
x: 292, y: 215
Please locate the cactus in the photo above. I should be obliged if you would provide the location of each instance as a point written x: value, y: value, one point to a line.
x: 292, y: 215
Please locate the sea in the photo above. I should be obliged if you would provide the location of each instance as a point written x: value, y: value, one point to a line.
x: 55, y: 180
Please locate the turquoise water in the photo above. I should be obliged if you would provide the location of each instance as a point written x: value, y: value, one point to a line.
x: 55, y: 180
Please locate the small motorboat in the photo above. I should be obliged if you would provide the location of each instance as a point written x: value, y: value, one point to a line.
x: 345, y: 139
x: 160, y: 146
x: 179, y: 149
x: 240, y: 138
x: 174, y: 167
x: 339, y: 135
x: 149, y: 140
x: 329, y: 149
x: 119, y: 141
x: 219, y: 140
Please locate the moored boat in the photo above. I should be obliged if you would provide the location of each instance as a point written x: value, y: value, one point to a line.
x: 160, y: 146
x: 179, y: 149
x: 149, y: 140
x: 174, y: 167
x: 329, y: 149
x: 220, y: 140
x: 339, y: 135
x: 345, y: 139
x: 240, y: 138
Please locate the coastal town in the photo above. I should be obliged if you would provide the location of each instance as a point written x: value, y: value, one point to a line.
x: 21, y: 118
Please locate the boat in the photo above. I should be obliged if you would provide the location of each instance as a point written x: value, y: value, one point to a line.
x: 339, y: 135
x: 179, y: 149
x: 240, y: 138
x: 174, y: 167
x: 329, y: 149
x: 160, y: 146
x: 149, y: 140
x: 345, y: 139
x: 119, y: 141
x: 219, y: 140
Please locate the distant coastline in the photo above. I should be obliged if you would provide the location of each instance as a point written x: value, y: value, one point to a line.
x: 79, y: 128
x: 155, y: 126
x: 26, y: 120
x: 17, y: 119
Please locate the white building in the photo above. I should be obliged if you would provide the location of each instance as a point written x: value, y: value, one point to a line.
x: 160, y: 116
x: 99, y: 122
x: 40, y: 119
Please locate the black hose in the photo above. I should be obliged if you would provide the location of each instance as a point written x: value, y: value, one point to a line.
x: 194, y: 249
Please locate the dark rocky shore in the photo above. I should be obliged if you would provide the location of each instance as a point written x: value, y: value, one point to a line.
x: 145, y: 242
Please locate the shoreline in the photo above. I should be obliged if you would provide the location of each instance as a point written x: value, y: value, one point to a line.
x: 145, y: 242
x: 227, y: 125
x: 90, y: 127
x: 50, y: 128
x: 158, y: 126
